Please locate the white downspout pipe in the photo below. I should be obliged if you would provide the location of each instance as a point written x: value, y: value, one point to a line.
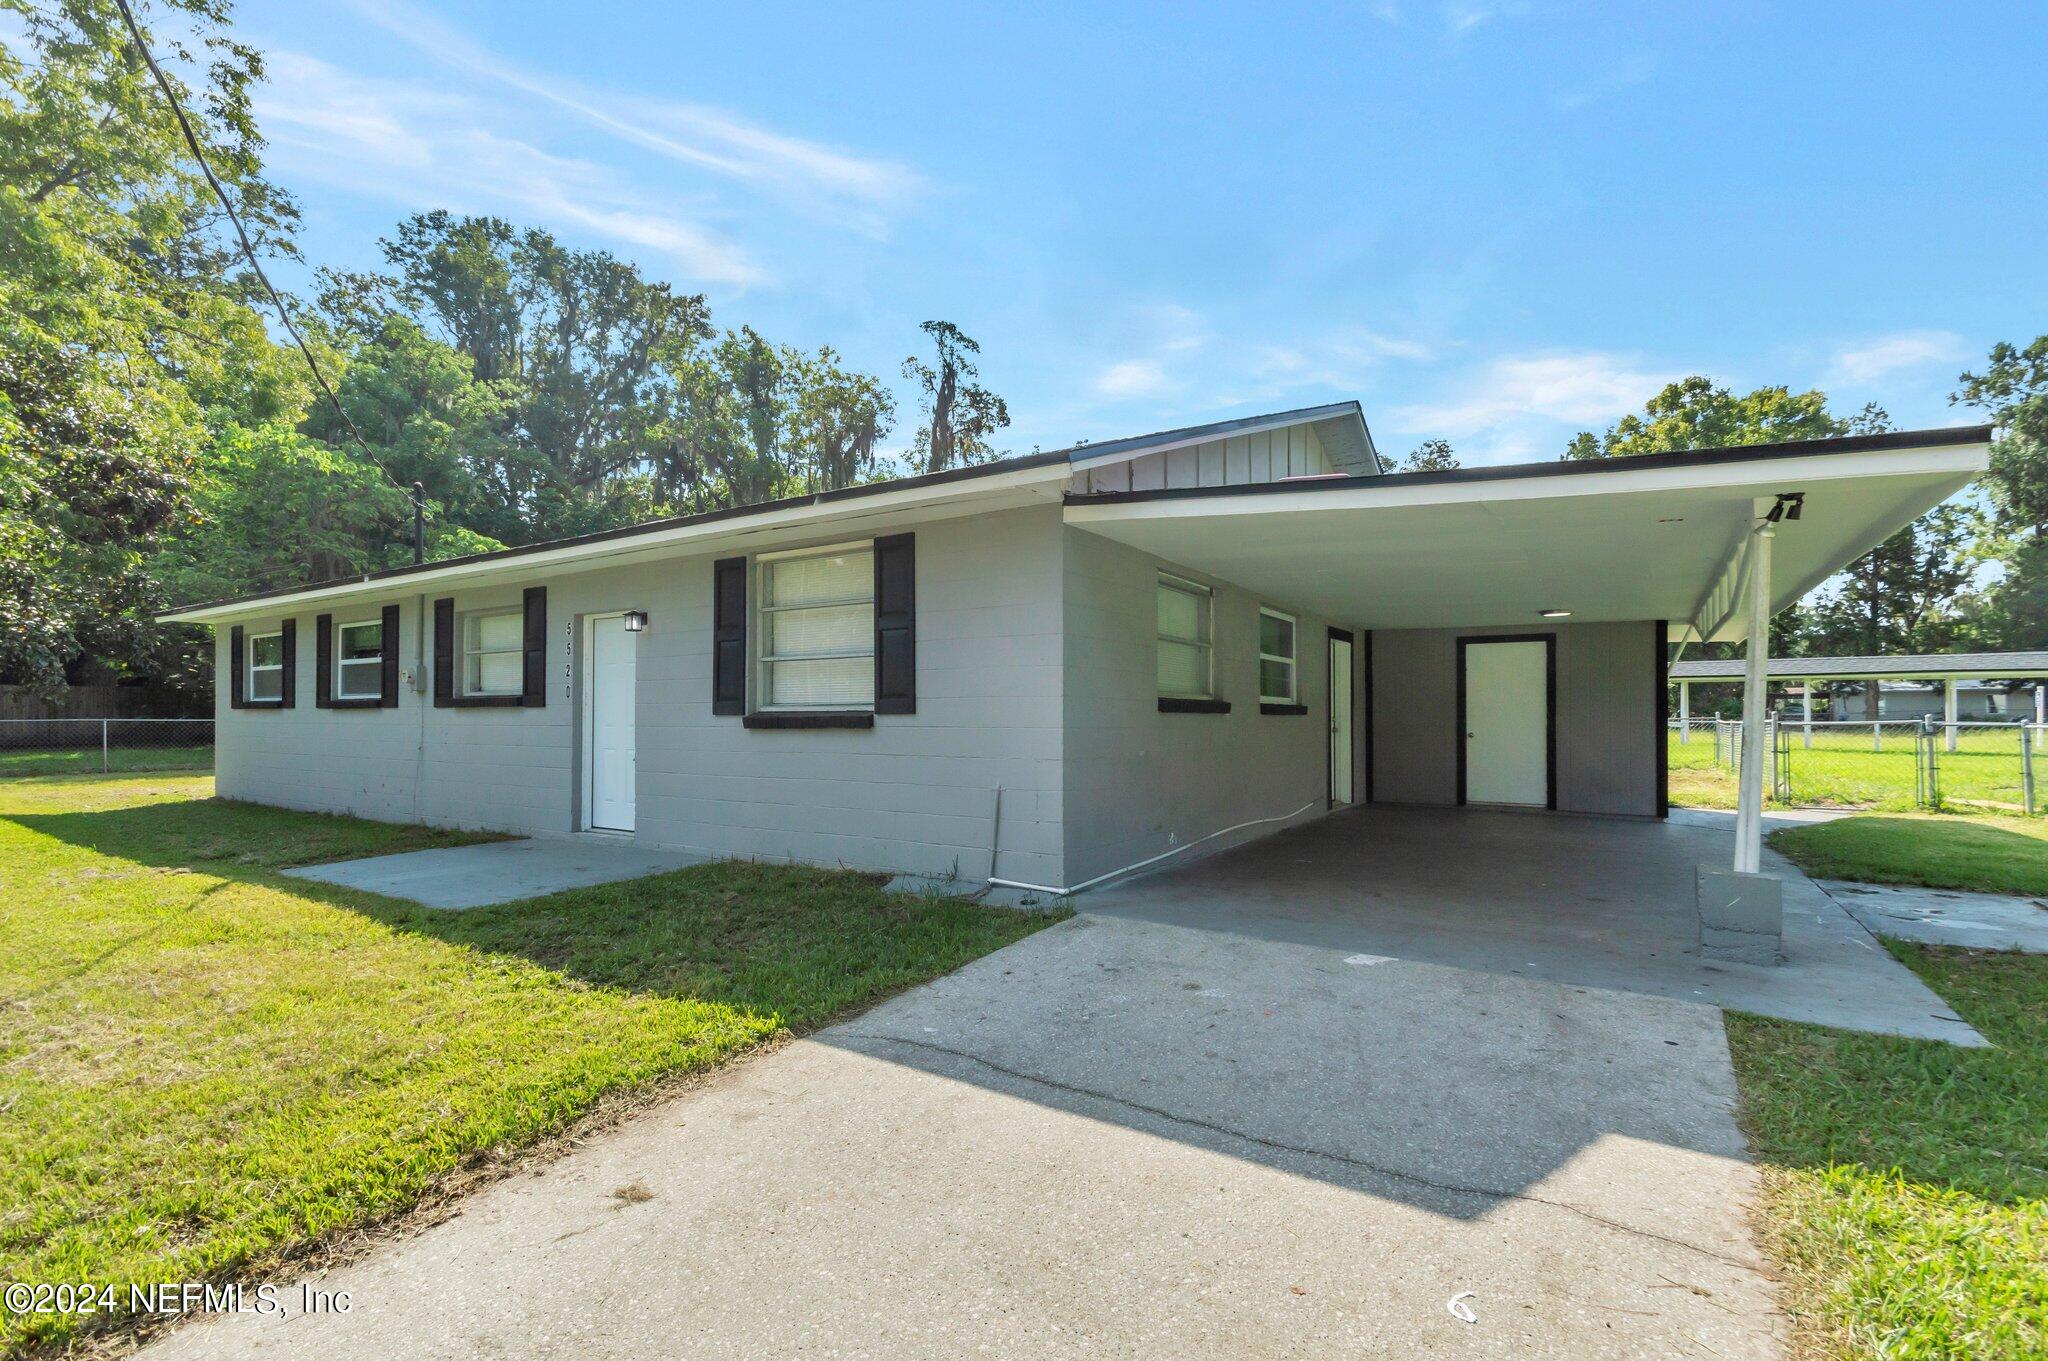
x: 1749, y: 808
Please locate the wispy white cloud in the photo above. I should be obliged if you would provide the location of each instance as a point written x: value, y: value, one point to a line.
x: 1133, y: 378
x: 1870, y: 360
x: 1580, y: 388
x: 424, y: 148
x: 704, y: 138
x: 1460, y: 16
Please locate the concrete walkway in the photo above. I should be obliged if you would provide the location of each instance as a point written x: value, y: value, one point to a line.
x: 1940, y: 916
x: 498, y: 871
x: 1130, y: 1138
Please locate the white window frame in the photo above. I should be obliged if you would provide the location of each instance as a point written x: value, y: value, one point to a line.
x: 764, y: 660
x: 342, y: 663
x: 250, y: 668
x: 1293, y: 695
x: 1207, y: 597
x: 469, y: 643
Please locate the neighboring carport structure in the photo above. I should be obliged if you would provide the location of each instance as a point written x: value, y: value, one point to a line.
x: 1666, y: 548
x: 1945, y: 668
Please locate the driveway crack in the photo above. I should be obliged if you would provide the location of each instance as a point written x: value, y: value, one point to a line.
x: 1303, y: 1150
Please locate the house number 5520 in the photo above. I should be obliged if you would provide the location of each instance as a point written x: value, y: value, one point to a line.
x: 569, y: 660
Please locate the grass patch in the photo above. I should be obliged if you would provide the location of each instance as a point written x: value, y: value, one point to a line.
x: 121, y: 760
x: 1906, y: 1181
x: 1982, y: 853
x: 205, y: 1066
x: 1841, y: 770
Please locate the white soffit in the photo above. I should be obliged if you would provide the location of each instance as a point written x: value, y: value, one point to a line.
x: 1610, y: 543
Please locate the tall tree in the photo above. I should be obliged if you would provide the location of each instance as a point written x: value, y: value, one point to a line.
x: 1897, y: 598
x: 89, y: 480
x: 1430, y: 456
x: 584, y: 352
x: 841, y: 418
x: 2013, y: 390
x: 960, y: 415
x: 126, y: 319
x: 1697, y: 413
x: 2012, y: 611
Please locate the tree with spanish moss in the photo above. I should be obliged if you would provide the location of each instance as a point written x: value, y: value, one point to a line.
x: 959, y: 414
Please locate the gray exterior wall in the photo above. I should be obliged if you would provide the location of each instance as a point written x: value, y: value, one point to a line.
x: 914, y: 794
x: 1609, y: 743
x: 1140, y: 782
x: 1036, y: 663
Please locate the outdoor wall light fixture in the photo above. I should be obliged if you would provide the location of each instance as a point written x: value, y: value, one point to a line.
x: 1788, y: 507
x: 636, y: 621
x: 1555, y: 614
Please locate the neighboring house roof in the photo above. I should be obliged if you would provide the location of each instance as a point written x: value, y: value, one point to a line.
x: 1987, y: 665
x: 1340, y: 425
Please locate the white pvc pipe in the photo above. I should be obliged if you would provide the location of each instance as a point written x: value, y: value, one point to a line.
x: 1127, y: 869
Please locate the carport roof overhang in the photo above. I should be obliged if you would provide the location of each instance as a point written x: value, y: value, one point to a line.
x: 1654, y: 537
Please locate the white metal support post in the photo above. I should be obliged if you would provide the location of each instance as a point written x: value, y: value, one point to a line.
x: 1806, y: 713
x: 1684, y: 712
x: 1948, y: 710
x: 1749, y: 807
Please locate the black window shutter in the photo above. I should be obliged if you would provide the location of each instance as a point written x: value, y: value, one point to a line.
x: 388, y: 696
x: 323, y: 662
x: 444, y: 652
x: 290, y: 675
x: 237, y: 668
x: 729, y: 636
x: 533, y: 692
x: 896, y: 624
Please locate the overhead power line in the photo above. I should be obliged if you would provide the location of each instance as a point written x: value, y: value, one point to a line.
x: 249, y: 251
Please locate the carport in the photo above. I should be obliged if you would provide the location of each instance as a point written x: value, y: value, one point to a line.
x: 1602, y: 903
x: 1588, y: 572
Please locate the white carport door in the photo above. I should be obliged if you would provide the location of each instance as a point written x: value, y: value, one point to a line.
x: 609, y: 739
x: 1507, y: 714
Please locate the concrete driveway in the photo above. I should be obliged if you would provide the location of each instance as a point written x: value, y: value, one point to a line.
x: 1134, y: 1138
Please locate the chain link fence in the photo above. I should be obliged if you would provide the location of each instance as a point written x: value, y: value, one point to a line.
x: 1913, y: 763
x: 60, y: 746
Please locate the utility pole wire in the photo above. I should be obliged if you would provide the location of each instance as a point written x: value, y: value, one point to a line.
x: 248, y: 250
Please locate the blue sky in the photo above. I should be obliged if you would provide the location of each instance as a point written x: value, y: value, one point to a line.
x: 1495, y: 222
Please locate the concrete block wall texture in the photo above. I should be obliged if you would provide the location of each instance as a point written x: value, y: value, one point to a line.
x: 1036, y: 672
x: 1609, y: 746
x: 1140, y: 782
x: 914, y: 794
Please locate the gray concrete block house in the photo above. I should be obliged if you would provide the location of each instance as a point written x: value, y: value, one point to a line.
x: 1052, y: 667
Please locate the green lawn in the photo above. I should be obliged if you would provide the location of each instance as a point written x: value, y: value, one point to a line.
x: 1841, y: 770
x: 1985, y: 853
x: 121, y: 759
x: 205, y: 1065
x: 1906, y: 1181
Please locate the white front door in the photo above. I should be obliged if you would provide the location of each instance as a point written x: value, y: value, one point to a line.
x: 1507, y: 722
x: 608, y: 686
x: 1340, y: 721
